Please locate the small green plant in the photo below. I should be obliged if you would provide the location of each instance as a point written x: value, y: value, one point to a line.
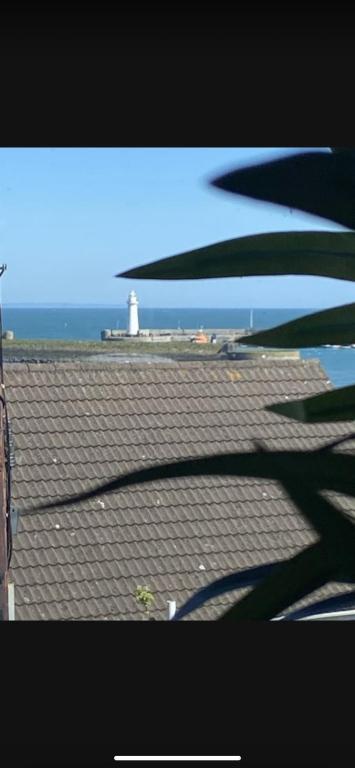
x: 144, y: 597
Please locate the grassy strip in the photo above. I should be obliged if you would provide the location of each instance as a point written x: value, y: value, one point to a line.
x: 40, y: 346
x: 61, y: 349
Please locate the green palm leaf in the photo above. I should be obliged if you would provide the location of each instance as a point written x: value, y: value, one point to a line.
x: 328, y: 254
x: 331, y: 326
x: 320, y: 183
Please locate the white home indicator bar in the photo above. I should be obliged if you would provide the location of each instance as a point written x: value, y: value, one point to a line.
x: 177, y: 758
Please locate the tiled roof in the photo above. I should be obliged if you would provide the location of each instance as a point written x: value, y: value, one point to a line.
x: 77, y: 424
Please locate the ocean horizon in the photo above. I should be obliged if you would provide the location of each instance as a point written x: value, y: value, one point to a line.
x: 90, y: 305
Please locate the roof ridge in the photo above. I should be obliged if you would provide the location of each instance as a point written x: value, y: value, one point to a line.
x: 102, y: 365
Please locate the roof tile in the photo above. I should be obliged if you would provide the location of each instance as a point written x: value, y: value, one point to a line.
x: 75, y: 425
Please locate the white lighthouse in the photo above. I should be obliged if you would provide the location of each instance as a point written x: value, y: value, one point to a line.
x: 133, y: 324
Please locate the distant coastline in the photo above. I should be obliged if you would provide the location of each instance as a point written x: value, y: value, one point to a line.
x: 68, y: 305
x: 21, y: 305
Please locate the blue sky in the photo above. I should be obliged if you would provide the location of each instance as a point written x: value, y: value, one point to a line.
x: 72, y: 218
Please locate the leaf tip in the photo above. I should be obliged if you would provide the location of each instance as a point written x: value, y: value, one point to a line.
x: 128, y: 273
x: 223, y: 182
x: 252, y: 340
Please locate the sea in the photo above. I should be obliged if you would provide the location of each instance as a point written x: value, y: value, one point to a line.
x: 86, y: 323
